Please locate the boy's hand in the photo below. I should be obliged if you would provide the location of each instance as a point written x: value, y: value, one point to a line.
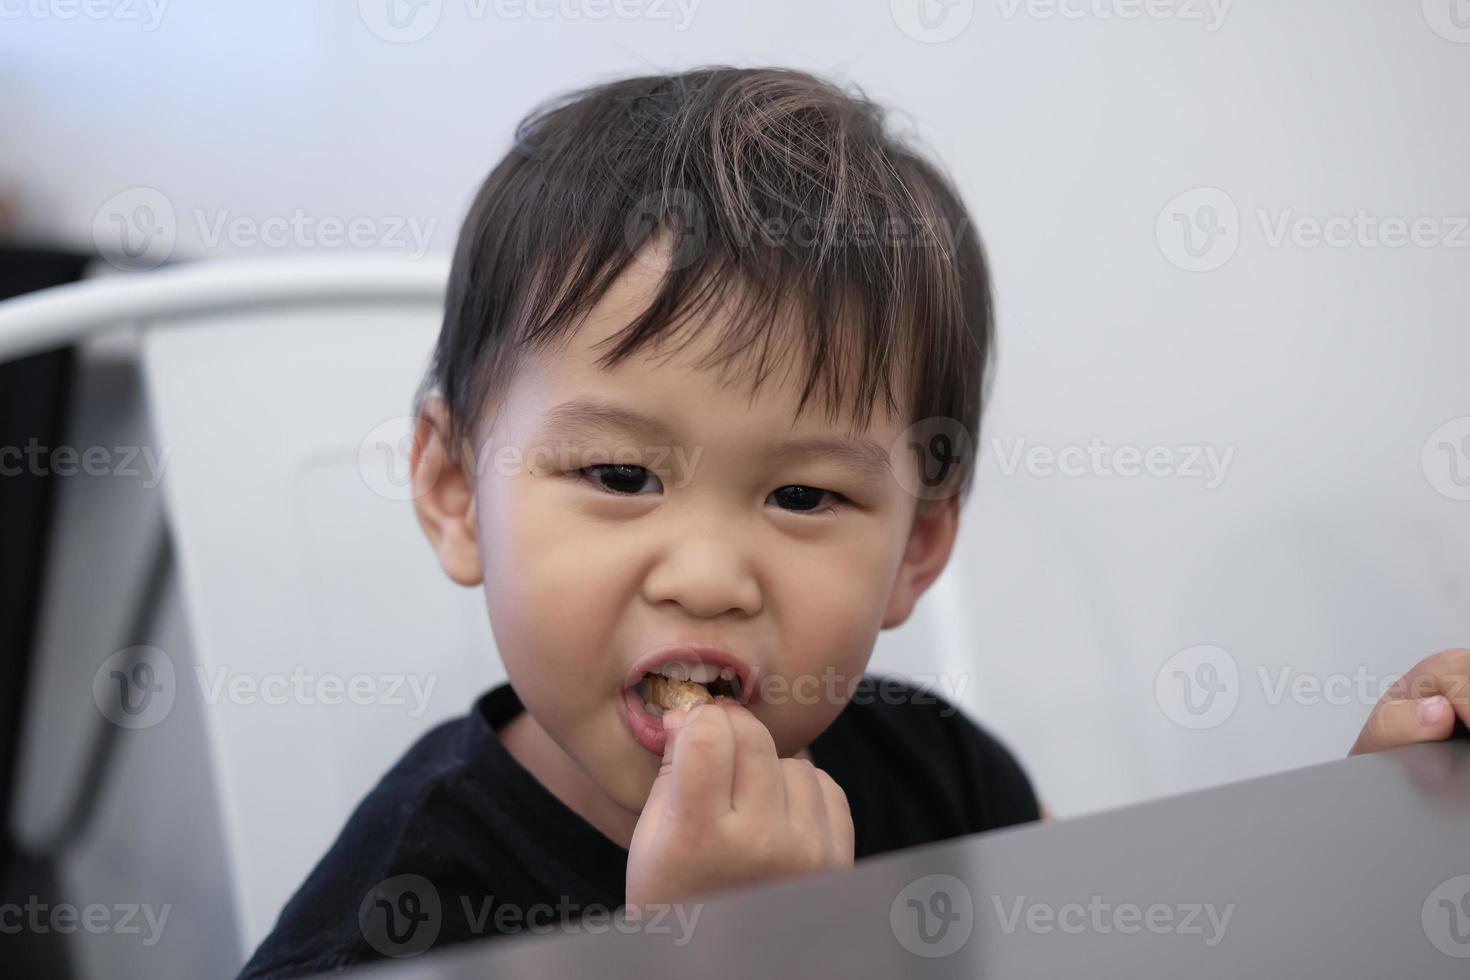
x: 726, y: 810
x: 1421, y: 706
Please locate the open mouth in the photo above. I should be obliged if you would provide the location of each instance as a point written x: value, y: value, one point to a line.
x: 681, y: 685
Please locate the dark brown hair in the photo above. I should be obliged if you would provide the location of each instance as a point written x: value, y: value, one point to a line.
x: 774, y: 192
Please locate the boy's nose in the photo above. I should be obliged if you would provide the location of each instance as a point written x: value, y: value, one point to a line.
x: 705, y: 572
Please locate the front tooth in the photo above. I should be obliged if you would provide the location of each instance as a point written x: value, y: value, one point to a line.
x: 703, y: 673
x: 677, y: 671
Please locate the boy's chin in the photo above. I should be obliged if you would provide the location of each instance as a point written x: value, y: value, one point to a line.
x: 629, y: 787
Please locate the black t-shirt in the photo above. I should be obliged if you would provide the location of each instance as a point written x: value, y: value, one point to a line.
x: 460, y: 841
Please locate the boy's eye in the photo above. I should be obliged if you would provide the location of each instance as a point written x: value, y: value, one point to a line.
x: 627, y: 480
x: 620, y: 478
x: 803, y: 499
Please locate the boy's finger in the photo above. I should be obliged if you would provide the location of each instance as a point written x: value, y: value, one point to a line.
x: 758, y: 785
x: 839, y: 815
x: 1406, y: 721
x: 699, y: 757
x: 806, y: 804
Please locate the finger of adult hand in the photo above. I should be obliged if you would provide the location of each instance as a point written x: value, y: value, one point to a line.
x: 1405, y: 721
x: 1446, y: 672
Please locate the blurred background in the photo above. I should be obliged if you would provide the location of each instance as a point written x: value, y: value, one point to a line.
x: 1224, y: 495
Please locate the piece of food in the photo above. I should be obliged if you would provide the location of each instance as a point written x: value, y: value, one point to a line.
x: 669, y: 693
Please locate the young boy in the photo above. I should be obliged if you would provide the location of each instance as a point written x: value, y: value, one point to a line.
x: 700, y: 421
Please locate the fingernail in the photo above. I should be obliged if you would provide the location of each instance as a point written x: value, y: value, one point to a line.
x: 1431, y: 711
x: 675, y: 717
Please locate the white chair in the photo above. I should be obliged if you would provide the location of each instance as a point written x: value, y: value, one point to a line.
x: 283, y: 546
x: 290, y: 586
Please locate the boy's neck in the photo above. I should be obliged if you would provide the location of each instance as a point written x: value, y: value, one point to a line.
x: 537, y: 752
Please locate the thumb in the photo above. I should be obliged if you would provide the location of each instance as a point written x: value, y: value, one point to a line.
x: 674, y: 721
x: 1404, y: 722
x: 658, y: 793
x: 657, y: 800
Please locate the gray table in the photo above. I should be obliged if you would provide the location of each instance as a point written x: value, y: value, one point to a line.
x: 1354, y: 868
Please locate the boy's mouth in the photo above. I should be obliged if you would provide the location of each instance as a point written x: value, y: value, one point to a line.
x: 681, y: 685
x: 681, y: 676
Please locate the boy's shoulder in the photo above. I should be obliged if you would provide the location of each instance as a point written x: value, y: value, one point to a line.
x: 381, y: 844
x: 916, y: 768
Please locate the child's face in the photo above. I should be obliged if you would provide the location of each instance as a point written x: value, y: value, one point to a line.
x: 701, y: 547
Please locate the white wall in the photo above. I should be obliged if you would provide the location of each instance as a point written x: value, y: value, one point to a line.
x: 1324, y: 370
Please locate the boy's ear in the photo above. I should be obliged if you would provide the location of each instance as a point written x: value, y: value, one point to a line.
x: 931, y: 539
x: 444, y: 496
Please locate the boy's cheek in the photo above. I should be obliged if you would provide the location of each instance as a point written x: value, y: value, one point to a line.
x: 793, y: 726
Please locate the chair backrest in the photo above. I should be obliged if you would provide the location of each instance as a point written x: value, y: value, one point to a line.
x: 322, y: 638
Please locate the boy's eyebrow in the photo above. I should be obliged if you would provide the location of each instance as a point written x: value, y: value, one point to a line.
x: 574, y: 416
x: 864, y: 455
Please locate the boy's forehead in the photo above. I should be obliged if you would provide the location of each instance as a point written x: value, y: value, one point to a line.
x: 676, y: 379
